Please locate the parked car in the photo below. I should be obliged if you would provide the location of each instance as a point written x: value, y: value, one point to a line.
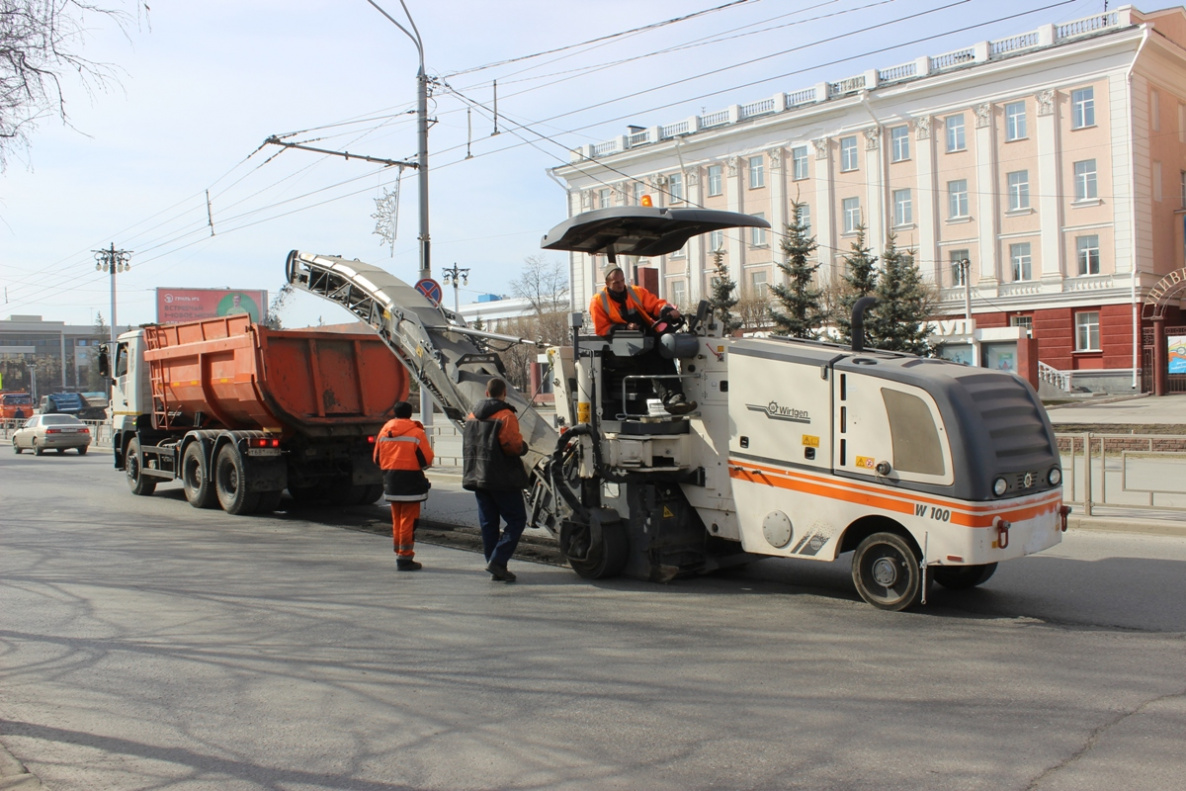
x: 52, y: 432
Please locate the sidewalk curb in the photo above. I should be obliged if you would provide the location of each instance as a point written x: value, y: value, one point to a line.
x: 1117, y: 524
x: 14, y: 775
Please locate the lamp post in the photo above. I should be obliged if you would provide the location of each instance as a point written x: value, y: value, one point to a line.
x: 112, y: 261
x: 422, y: 167
x: 452, y: 274
x: 966, y: 274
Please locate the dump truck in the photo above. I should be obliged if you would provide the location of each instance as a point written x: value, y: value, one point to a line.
x: 239, y: 412
x: 924, y: 470
x: 16, y: 405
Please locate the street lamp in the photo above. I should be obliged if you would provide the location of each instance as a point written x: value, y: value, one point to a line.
x: 112, y: 261
x: 452, y: 274
x: 966, y: 275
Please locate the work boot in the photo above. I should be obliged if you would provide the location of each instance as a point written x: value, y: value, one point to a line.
x: 500, y: 573
x: 678, y: 405
x: 407, y: 564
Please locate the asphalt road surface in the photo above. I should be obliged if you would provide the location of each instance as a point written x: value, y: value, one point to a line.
x: 148, y: 645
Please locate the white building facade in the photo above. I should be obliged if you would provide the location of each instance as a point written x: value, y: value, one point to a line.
x: 1041, y: 176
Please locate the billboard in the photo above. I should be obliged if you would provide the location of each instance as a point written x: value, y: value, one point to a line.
x: 190, y: 304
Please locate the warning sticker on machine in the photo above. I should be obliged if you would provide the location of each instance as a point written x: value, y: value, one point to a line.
x: 810, y: 441
x: 866, y: 462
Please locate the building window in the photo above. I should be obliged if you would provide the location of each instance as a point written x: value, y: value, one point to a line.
x: 1023, y: 321
x: 1087, y: 251
x: 852, y: 214
x: 1085, y: 180
x: 679, y: 292
x: 758, y: 235
x: 639, y: 190
x: 1019, y: 255
x: 848, y: 153
x: 716, y: 241
x: 805, y: 218
x: 900, y: 143
x: 675, y: 187
x: 1182, y: 186
x: 1019, y: 190
x: 603, y: 198
x: 1082, y: 108
x: 715, y: 183
x: 799, y: 163
x: 1087, y: 331
x: 955, y: 133
x: 959, y: 269
x: 903, y: 208
x: 957, y: 198
x: 1015, y: 121
x: 759, y: 285
x: 757, y: 176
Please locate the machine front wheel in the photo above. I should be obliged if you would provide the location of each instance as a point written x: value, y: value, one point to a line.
x: 602, y: 560
x: 886, y: 572
x: 958, y: 578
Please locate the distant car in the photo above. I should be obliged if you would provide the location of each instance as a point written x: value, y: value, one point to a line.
x: 52, y: 432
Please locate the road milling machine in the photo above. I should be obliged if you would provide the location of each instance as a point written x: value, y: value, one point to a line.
x: 924, y: 469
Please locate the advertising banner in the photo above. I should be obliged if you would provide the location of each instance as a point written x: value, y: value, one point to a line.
x: 1177, y: 353
x: 174, y: 305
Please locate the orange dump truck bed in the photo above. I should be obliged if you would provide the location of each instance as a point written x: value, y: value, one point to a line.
x: 232, y: 373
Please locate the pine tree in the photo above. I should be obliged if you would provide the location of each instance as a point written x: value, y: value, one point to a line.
x: 800, y: 315
x: 859, y: 280
x: 723, y: 299
x: 898, y: 320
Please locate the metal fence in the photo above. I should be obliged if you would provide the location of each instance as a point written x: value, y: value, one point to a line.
x: 1143, y: 472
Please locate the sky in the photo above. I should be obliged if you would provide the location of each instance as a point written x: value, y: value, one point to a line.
x: 167, y: 159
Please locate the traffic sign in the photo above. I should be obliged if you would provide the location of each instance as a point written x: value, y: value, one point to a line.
x: 430, y: 289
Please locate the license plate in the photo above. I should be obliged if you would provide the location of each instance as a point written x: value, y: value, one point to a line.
x: 263, y: 451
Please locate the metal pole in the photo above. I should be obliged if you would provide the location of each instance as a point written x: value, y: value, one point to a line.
x: 966, y: 267
x: 111, y: 259
x: 422, y: 159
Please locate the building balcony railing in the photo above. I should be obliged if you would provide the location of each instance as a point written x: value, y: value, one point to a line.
x: 1011, y: 46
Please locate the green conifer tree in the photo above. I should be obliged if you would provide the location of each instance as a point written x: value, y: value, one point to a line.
x: 799, y: 314
x: 859, y: 280
x: 898, y: 322
x: 723, y: 300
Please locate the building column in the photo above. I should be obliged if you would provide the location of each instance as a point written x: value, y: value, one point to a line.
x: 926, y: 189
x: 987, y: 203
x: 876, y: 223
x: 1049, y: 189
x: 735, y: 238
x: 776, y: 184
x: 823, y: 210
x: 696, y: 245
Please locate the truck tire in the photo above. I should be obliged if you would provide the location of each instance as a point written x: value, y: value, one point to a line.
x: 142, y: 485
x: 195, y: 477
x: 886, y: 572
x: 230, y: 481
x: 958, y: 578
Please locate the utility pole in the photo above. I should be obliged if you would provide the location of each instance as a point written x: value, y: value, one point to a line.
x: 113, y: 261
x: 451, y: 274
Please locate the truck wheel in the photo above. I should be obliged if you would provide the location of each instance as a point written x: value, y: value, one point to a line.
x: 230, y: 482
x: 139, y: 484
x: 606, y: 559
x: 886, y: 573
x: 958, y: 578
x: 199, y: 489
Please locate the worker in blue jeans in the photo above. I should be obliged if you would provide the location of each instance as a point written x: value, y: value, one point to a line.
x: 492, y: 447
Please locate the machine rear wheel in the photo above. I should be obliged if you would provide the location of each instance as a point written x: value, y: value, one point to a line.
x: 139, y: 483
x: 195, y: 477
x: 958, y: 578
x: 230, y: 481
x: 886, y: 572
x: 602, y: 560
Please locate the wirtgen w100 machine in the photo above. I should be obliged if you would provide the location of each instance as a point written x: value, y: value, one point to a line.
x: 923, y: 469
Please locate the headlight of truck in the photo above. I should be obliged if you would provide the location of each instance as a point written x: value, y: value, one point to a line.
x: 1055, y: 476
x: 1000, y: 486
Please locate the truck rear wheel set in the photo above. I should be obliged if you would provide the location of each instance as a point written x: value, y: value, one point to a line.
x: 199, y: 488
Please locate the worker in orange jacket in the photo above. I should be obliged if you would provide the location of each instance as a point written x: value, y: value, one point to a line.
x: 635, y: 308
x: 403, y: 452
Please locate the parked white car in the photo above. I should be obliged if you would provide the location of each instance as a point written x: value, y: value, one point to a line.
x: 52, y: 432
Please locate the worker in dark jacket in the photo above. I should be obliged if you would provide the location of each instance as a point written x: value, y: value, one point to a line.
x: 403, y: 452
x: 493, y: 471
